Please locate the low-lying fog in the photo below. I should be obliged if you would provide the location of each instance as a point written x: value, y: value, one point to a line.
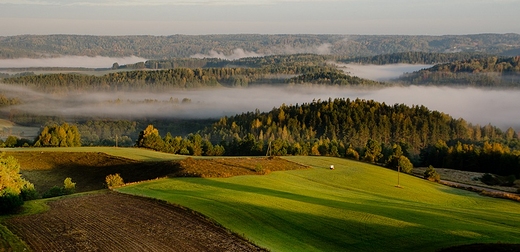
x: 69, y: 61
x: 498, y: 107
x: 380, y: 72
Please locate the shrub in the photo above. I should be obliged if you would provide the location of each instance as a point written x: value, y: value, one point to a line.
x: 259, y: 168
x: 489, y: 179
x: 28, y: 192
x: 13, y: 188
x: 55, y: 191
x: 184, y: 151
x: 352, y: 154
x: 68, y: 186
x: 114, y: 180
x: 405, y: 164
x: 510, y: 180
x: 431, y: 174
x: 10, y: 202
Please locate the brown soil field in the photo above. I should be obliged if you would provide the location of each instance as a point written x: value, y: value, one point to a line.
x: 228, y: 167
x: 116, y: 222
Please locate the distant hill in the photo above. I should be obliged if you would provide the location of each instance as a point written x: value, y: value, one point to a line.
x: 480, y: 72
x: 415, y: 58
x: 183, y: 46
x: 156, y: 75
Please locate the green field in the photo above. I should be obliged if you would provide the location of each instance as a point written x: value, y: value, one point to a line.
x: 356, y: 207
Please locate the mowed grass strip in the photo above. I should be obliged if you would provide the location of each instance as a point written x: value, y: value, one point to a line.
x: 355, y: 207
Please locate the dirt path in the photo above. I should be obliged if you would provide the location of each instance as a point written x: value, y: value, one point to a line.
x: 117, y: 222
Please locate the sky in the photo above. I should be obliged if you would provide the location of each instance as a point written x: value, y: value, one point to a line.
x: 196, y: 17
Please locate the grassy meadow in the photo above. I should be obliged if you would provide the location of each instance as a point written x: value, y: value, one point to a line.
x: 356, y: 207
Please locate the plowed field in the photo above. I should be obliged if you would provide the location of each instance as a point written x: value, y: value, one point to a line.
x: 117, y: 222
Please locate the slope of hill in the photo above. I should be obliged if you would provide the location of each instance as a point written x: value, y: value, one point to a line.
x: 483, y: 72
x: 356, y: 207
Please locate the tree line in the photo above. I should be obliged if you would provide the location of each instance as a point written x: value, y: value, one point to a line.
x: 481, y: 72
x: 415, y: 57
x: 158, y: 80
x: 8, y: 101
x: 64, y: 135
x: 486, y: 157
x: 185, y: 46
x: 332, y: 78
x: 358, y: 129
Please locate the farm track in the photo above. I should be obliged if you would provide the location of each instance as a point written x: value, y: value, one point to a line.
x: 118, y: 222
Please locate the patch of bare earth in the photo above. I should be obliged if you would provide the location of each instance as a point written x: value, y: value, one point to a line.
x: 228, y: 167
x: 117, y: 222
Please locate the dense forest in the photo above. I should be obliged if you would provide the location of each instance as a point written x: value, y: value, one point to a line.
x: 483, y: 72
x: 332, y: 78
x: 306, y: 68
x: 358, y: 129
x: 101, y: 131
x: 414, y: 58
x: 184, y: 46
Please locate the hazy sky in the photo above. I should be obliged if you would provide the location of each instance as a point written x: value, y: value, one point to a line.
x: 167, y: 17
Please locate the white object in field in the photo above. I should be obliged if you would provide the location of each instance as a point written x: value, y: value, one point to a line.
x: 332, y: 167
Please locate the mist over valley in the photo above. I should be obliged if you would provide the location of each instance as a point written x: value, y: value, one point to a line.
x: 477, y: 106
x: 69, y: 61
x: 380, y: 72
x: 203, y: 107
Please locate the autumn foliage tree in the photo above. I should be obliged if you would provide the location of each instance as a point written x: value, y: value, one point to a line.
x: 114, y: 180
x: 12, y: 186
x: 431, y: 174
x: 150, y: 138
x: 64, y: 135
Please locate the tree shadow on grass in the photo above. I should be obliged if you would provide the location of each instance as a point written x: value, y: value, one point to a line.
x: 363, y: 227
x: 384, y: 227
x: 92, y: 177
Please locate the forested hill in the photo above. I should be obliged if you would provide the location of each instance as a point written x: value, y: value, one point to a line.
x: 349, y: 123
x: 158, y: 80
x: 184, y: 46
x: 368, y: 129
x: 414, y: 58
x: 483, y: 72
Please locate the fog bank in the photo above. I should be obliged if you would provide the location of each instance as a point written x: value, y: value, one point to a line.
x: 380, y: 72
x: 70, y: 61
x: 477, y: 106
x: 239, y: 53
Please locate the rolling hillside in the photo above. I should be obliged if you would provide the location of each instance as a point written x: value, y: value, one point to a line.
x: 356, y: 207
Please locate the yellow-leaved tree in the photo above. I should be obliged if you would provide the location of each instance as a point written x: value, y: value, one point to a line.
x: 13, y: 188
